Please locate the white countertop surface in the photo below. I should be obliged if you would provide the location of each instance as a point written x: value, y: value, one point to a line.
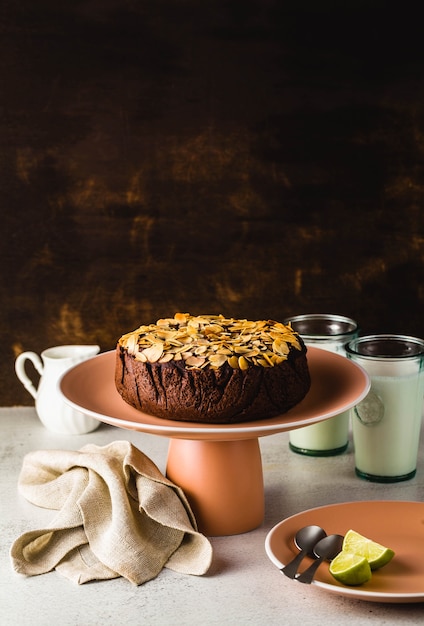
x: 242, y: 587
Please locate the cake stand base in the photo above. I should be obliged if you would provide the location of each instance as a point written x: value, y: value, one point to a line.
x: 223, y: 483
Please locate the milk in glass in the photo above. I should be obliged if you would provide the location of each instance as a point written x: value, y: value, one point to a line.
x: 387, y: 423
x: 327, y: 332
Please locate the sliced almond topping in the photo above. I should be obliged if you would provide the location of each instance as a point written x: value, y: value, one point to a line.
x: 132, y: 344
x: 267, y: 358
x: 224, y: 350
x: 264, y: 363
x: 153, y: 353
x: 185, y: 338
x: 181, y: 317
x: 211, y: 340
x: 195, y: 361
x: 213, y: 329
x: 280, y: 347
x: 243, y: 363
x: 164, y: 322
x: 276, y: 359
x: 217, y: 359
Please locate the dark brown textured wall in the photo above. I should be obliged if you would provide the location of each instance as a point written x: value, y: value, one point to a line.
x: 251, y: 158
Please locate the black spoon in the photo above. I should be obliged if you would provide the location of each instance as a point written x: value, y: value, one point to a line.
x: 326, y: 549
x: 306, y: 538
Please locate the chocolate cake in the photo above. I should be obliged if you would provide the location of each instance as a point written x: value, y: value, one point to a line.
x: 212, y: 369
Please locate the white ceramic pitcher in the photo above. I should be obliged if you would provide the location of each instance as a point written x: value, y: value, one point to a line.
x: 53, y: 411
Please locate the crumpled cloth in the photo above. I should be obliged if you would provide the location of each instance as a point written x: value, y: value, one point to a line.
x: 117, y: 516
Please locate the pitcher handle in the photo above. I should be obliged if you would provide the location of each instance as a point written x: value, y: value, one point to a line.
x: 21, y: 373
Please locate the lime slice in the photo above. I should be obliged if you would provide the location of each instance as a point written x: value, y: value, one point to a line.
x: 376, y: 554
x: 350, y: 569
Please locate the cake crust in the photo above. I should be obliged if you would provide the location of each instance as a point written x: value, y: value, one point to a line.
x: 221, y: 371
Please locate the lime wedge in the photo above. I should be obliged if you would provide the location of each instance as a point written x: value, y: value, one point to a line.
x: 376, y: 554
x: 350, y: 569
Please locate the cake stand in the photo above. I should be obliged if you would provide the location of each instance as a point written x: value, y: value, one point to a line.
x: 219, y: 467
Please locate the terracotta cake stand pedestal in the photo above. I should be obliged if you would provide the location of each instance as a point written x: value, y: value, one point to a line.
x: 219, y: 467
x: 223, y: 482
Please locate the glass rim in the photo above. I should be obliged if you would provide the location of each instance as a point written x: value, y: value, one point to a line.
x: 351, y: 325
x: 389, y: 339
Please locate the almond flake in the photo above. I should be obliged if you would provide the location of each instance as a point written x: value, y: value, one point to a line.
x: 168, y: 356
x: 153, y: 353
x: 217, y: 359
x: 280, y: 347
x: 195, y: 361
x: 264, y: 363
x: 243, y: 364
x: 132, y: 344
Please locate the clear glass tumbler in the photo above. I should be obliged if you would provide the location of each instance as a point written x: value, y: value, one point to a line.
x: 328, y: 332
x: 386, y: 424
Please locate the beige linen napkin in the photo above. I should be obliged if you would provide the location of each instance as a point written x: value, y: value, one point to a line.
x: 118, y: 516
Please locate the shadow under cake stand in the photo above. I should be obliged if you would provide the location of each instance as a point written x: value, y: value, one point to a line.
x: 219, y: 467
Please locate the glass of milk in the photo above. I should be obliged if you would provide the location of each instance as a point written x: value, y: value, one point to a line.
x: 386, y: 424
x: 328, y: 332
